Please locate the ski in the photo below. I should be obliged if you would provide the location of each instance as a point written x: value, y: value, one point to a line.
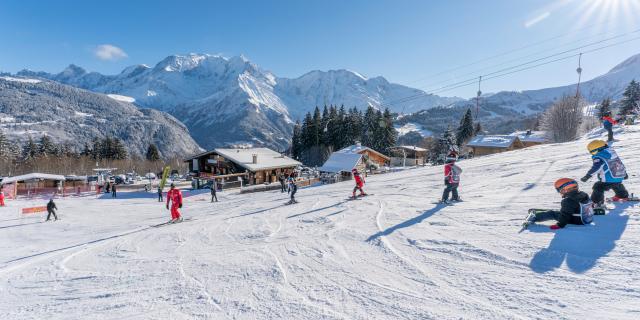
x: 290, y: 203
x: 170, y: 222
x: 630, y: 199
x: 526, y: 223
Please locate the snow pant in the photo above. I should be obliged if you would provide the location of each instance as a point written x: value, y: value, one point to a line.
x: 597, y: 196
x: 159, y: 197
x: 214, y: 196
x: 453, y: 188
x: 545, y: 216
x: 51, y: 212
x: 283, y: 188
x: 609, y: 134
x: 293, y: 193
x: 175, y: 214
x: 356, y: 188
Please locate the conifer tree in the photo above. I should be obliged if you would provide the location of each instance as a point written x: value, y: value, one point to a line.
x: 296, y: 141
x: 389, y: 133
x: 152, y: 153
x: 631, y: 98
x: 465, y: 131
x: 29, y: 150
x: 119, y: 152
x: 604, y: 107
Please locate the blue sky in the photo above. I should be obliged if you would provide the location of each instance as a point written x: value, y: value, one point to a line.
x: 407, y: 42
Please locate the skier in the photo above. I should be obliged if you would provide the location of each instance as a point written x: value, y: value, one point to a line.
x: 282, y: 179
x: 175, y: 197
x: 113, y: 191
x: 159, y: 194
x: 611, y: 172
x: 608, y: 123
x: 359, y: 183
x: 1, y: 196
x: 51, y: 209
x: 108, y: 187
x: 214, y: 185
x: 451, y: 179
x: 293, y: 188
x: 575, y: 208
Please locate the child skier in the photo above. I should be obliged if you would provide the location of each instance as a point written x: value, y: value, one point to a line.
x: 575, y: 208
x: 611, y: 172
x: 359, y: 183
x: 213, y: 191
x: 51, y: 209
x: 293, y: 188
x: 608, y: 123
x: 1, y: 197
x: 175, y: 197
x: 451, y: 179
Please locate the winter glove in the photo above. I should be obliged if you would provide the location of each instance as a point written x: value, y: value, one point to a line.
x: 585, y: 178
x: 167, y: 207
x: 180, y: 206
x: 554, y: 227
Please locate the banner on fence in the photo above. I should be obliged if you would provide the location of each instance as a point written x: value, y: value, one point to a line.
x: 32, y: 210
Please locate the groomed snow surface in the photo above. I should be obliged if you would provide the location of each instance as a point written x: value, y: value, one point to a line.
x: 391, y: 255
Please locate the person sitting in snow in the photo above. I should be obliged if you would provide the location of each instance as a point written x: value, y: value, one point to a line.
x: 608, y: 123
x: 575, y: 208
x: 451, y: 178
x: 611, y: 172
x: 359, y: 183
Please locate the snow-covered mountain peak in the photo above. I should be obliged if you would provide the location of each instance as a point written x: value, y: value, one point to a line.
x: 72, y: 71
x: 631, y: 63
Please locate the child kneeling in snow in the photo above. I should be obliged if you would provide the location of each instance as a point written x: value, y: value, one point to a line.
x: 575, y: 208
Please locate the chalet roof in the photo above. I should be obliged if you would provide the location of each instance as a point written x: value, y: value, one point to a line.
x: 341, y: 161
x: 531, y: 136
x: 33, y: 176
x: 358, y: 148
x: 411, y: 148
x: 496, y: 141
x: 267, y: 158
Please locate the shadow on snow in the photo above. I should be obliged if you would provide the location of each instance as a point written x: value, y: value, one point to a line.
x: 407, y: 223
x: 581, y: 246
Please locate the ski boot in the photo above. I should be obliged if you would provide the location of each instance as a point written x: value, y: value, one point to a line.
x: 531, y: 219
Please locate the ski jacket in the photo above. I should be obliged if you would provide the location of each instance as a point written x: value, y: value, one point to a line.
x: 608, y: 122
x: 452, y: 173
x: 175, y: 196
x: 359, y: 180
x: 51, y: 205
x: 608, y: 165
x: 572, y: 208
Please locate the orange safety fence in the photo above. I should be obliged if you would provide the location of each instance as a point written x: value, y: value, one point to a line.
x: 34, y: 210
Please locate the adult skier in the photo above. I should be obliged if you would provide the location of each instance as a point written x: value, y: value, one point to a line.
x: 608, y: 123
x: 51, y: 209
x: 611, y: 172
x: 451, y: 179
x: 1, y: 196
x: 293, y: 188
x: 175, y: 197
x: 214, y: 186
x: 575, y: 208
x: 114, y: 193
x: 282, y: 179
x: 159, y: 194
x: 359, y: 183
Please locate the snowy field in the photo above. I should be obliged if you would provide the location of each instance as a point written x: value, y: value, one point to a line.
x: 392, y: 255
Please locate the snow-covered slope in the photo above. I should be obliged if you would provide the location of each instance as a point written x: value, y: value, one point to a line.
x: 33, y: 107
x: 232, y: 101
x: 391, y: 255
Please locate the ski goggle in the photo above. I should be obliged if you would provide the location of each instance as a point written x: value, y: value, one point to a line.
x: 566, y: 184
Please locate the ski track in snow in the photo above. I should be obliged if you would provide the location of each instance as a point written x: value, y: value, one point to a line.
x: 392, y: 255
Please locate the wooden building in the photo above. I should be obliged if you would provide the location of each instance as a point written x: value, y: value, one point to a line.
x: 402, y: 156
x: 253, y: 165
x: 370, y: 157
x: 485, y: 144
x: 35, y: 184
x: 531, y: 138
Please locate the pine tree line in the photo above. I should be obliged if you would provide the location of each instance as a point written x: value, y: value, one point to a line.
x: 321, y: 133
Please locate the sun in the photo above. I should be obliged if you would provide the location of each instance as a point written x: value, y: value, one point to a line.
x: 607, y: 11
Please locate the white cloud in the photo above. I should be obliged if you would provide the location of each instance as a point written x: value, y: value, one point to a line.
x: 530, y: 23
x: 109, y: 52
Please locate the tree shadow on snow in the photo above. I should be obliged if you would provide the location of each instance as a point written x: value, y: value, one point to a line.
x: 407, y: 223
x: 581, y: 246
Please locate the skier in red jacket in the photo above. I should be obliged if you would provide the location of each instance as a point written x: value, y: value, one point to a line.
x: 451, y: 179
x: 1, y: 197
x: 175, y: 197
x: 359, y: 183
x: 608, y: 123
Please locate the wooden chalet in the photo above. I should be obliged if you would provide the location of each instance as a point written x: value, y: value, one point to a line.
x: 402, y: 156
x: 486, y: 144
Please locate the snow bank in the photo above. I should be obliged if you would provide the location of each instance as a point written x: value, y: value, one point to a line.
x: 23, y: 80
x: 121, y: 98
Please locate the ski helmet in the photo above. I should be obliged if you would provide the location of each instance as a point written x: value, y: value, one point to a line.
x: 564, y: 185
x: 172, y: 185
x: 596, y: 146
x: 452, y: 156
x: 354, y: 171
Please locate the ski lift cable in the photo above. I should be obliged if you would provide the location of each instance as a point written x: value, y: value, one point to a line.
x: 488, y: 76
x: 526, y: 46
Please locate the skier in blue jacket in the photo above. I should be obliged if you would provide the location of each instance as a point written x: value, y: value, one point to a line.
x: 610, y: 170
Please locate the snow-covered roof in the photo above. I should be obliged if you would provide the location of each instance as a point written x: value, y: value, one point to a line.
x: 530, y: 136
x: 33, y: 176
x: 358, y: 148
x: 493, y: 141
x: 267, y: 158
x: 413, y: 148
x: 339, y: 161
